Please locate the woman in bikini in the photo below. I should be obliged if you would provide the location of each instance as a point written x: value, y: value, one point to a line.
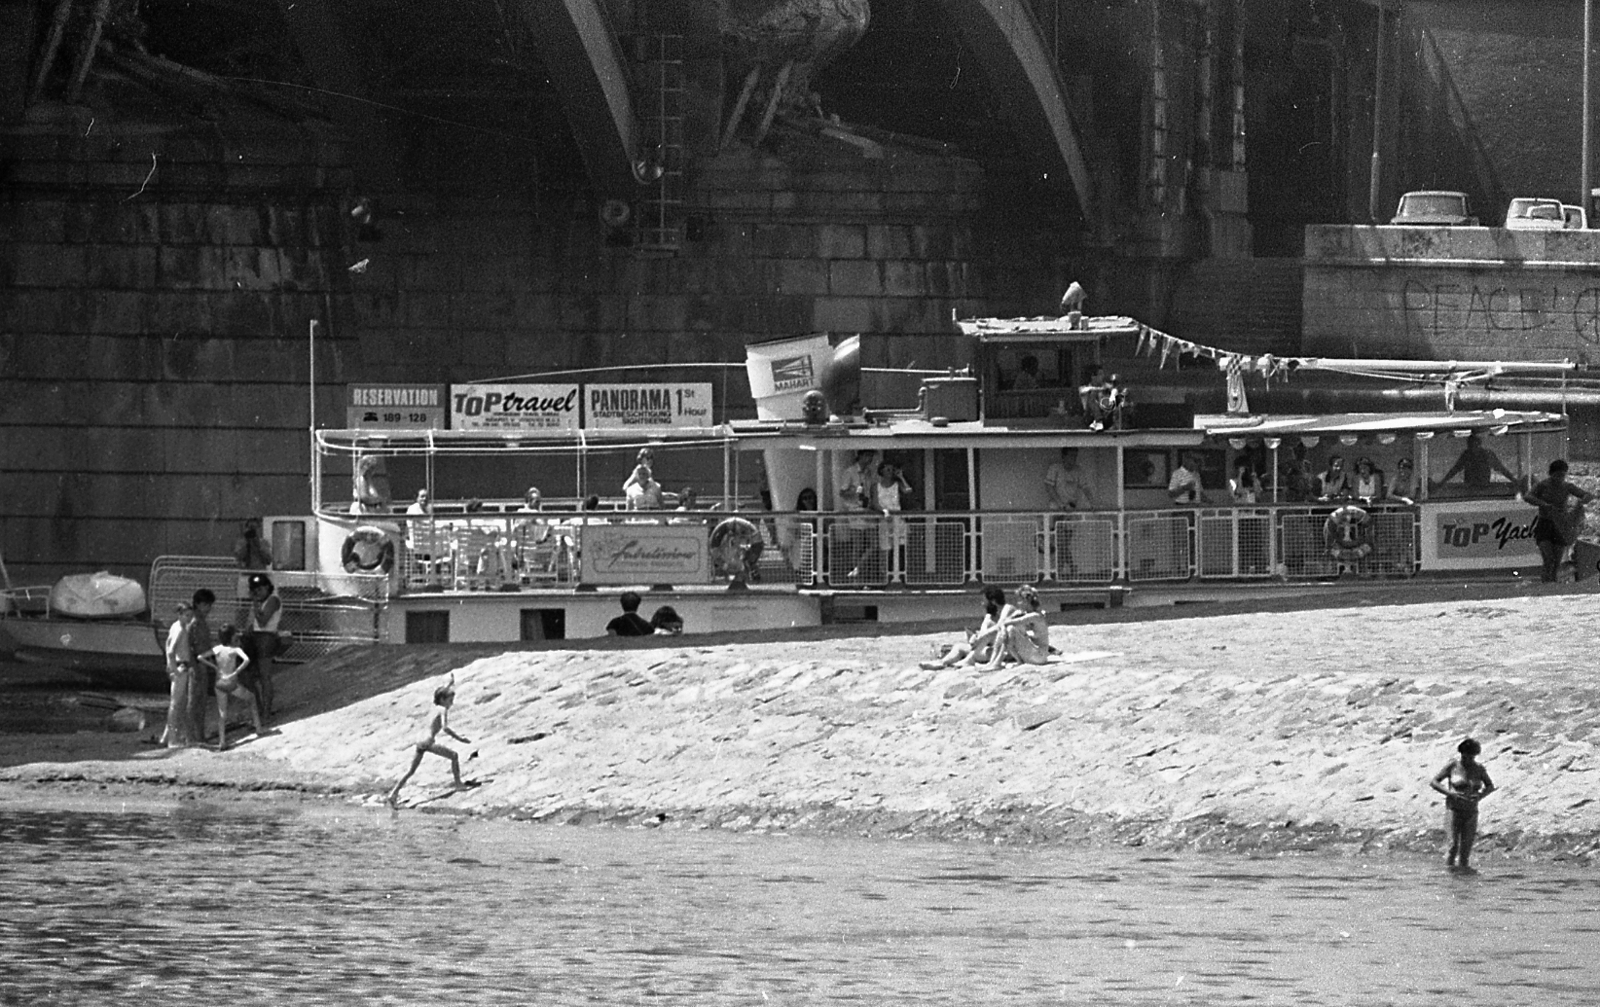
x: 979, y: 646
x: 1024, y: 635
x: 1463, y: 782
x: 229, y: 662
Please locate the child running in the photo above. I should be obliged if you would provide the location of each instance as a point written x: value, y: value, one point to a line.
x: 428, y: 740
x: 228, y: 660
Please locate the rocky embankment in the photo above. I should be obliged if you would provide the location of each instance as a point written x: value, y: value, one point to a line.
x: 1272, y: 730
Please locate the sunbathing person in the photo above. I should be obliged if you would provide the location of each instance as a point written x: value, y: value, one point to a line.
x: 1024, y: 635
x: 979, y: 646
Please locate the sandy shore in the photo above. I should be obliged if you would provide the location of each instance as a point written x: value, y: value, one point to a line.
x: 1261, y: 730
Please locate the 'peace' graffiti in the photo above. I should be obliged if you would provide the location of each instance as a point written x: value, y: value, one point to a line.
x: 1434, y: 309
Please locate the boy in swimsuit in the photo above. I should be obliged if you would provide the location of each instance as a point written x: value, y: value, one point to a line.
x: 427, y: 741
x: 228, y: 661
x: 1463, y: 782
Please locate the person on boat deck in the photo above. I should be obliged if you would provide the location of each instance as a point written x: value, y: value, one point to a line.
x: 1368, y: 486
x: 180, y: 671
x: 1184, y: 487
x: 979, y: 645
x: 630, y: 622
x: 1334, y: 479
x: 1027, y: 379
x: 1245, y: 486
x: 856, y: 496
x: 1300, y: 484
x: 1023, y: 632
x: 1404, y: 487
x: 1063, y: 481
x: 249, y: 549
x: 1554, y: 529
x: 370, y: 488
x: 1464, y: 782
x: 1100, y: 398
x: 666, y: 621
x: 641, y: 488
x: 1477, y: 466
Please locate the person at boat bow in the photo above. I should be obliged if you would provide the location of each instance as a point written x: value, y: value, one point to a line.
x: 1560, y: 519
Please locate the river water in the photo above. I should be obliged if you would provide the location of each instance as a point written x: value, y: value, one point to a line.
x: 190, y: 903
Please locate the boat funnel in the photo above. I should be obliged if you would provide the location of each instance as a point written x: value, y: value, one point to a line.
x: 782, y: 371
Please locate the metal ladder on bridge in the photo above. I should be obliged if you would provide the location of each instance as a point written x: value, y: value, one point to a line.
x: 658, y: 226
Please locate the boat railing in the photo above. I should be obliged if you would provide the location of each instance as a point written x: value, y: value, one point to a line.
x: 930, y: 550
x: 30, y: 599
x: 320, y: 612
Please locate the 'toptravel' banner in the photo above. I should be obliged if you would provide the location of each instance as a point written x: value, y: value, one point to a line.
x: 616, y: 407
x: 514, y: 407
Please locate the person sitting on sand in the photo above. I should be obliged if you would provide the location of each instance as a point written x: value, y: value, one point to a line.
x: 1463, y: 782
x: 1024, y: 634
x: 228, y: 662
x: 428, y: 740
x: 979, y: 646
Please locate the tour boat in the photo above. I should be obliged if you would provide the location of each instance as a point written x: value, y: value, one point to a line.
x: 770, y: 541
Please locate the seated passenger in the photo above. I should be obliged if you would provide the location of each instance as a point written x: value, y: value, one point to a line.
x: 1404, y: 488
x: 1102, y: 400
x: 1368, y: 486
x: 1245, y: 486
x: 1335, y: 481
x: 1024, y: 635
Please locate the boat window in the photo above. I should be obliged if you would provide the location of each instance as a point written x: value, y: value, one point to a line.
x: 427, y: 627
x: 544, y: 624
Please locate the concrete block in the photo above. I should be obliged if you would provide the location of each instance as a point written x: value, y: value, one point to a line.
x: 890, y: 241
x: 651, y: 313
x: 905, y: 278
x: 41, y: 310
x: 842, y: 314
x: 785, y: 241
x: 482, y: 310
x: 243, y: 314
x: 46, y: 265
x: 307, y: 269
x: 799, y: 276
x: 855, y: 278
x: 110, y: 312
x: 120, y: 267
x: 427, y: 310
x: 40, y: 222
x: 481, y: 349
x: 191, y: 267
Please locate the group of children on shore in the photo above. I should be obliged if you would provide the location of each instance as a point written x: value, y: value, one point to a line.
x: 200, y: 667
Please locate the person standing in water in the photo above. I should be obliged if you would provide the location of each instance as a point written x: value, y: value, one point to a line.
x: 427, y: 740
x: 1463, y: 782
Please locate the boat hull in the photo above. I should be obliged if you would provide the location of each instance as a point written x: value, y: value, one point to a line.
x: 116, y: 653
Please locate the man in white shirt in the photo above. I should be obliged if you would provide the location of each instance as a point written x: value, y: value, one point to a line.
x: 1065, y: 484
x: 1184, y: 487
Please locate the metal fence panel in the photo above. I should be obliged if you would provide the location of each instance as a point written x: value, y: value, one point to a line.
x: 936, y: 552
x: 1159, y: 545
x: 1010, y: 549
x: 1235, y: 542
x: 1085, y: 549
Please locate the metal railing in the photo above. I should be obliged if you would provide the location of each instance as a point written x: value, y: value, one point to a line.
x: 321, y: 612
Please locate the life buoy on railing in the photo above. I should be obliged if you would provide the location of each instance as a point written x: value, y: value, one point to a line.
x: 1346, y: 533
x: 736, y: 547
x: 367, y: 550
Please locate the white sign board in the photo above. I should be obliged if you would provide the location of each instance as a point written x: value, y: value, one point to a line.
x: 548, y: 408
x: 622, y: 407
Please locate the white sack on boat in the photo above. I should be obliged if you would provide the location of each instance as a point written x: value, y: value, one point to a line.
x: 96, y: 596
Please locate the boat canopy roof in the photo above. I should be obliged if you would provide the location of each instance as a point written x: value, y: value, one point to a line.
x: 1047, y: 329
x: 398, y: 443
x: 915, y: 432
x: 1494, y: 421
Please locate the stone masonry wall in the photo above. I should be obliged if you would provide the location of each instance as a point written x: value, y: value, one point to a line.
x: 155, y: 285
x: 1444, y: 293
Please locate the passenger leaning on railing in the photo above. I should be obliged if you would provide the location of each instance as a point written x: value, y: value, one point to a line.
x: 1368, y: 487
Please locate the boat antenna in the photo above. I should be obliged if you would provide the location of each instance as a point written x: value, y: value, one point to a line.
x: 717, y: 365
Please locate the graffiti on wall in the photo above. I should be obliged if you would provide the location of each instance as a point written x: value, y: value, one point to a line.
x: 1454, y: 308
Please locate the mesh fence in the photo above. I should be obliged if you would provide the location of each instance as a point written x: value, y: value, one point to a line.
x: 1158, y: 545
x: 1010, y: 549
x: 1084, y: 549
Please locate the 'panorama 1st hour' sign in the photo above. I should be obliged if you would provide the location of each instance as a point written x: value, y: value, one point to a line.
x: 646, y: 554
x: 395, y: 407
x: 549, y: 408
x: 614, y: 407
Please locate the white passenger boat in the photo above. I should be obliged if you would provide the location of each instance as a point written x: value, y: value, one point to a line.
x: 975, y: 450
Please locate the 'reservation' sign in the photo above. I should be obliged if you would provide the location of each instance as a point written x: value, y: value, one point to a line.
x: 514, y: 407
x: 618, y: 407
x: 395, y: 407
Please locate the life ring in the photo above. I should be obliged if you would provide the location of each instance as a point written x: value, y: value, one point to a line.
x: 736, y: 547
x: 367, y: 550
x: 615, y: 212
x: 1345, y: 533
